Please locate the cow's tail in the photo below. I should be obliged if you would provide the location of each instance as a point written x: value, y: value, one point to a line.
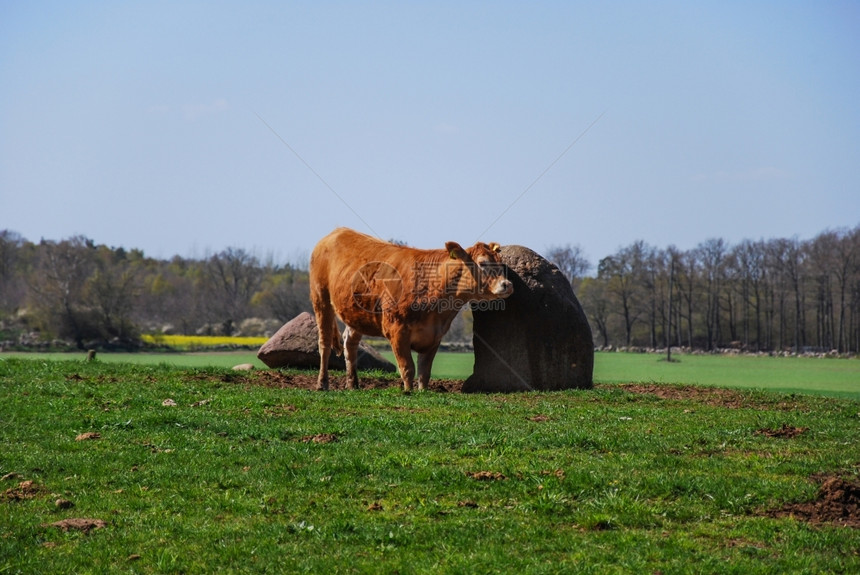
x: 336, y: 340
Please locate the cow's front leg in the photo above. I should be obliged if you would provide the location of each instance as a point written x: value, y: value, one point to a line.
x: 425, y: 364
x: 401, y: 347
x: 351, y: 338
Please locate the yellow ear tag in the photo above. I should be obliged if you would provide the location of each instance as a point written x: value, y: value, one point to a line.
x: 452, y: 254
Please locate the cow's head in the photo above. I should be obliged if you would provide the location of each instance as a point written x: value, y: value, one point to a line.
x: 481, y: 274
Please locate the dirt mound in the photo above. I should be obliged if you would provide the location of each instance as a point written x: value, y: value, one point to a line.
x: 784, y: 432
x: 486, y: 475
x: 25, y: 490
x: 837, y: 503
x: 77, y: 524
x: 319, y: 438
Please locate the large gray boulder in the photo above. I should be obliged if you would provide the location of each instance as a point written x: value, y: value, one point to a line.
x: 536, y: 339
x: 296, y: 345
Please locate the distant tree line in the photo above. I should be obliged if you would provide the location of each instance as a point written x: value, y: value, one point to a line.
x: 90, y: 294
x: 766, y: 295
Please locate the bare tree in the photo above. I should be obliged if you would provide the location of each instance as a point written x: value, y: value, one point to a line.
x: 653, y: 279
x: 62, y: 270
x: 746, y: 266
x: 671, y: 283
x: 234, y: 277
x: 686, y: 278
x: 113, y: 289
x: 822, y: 260
x: 622, y: 273
x: 794, y: 267
x: 711, y: 255
x: 171, y: 296
x: 12, y: 289
x: 847, y: 265
x: 571, y: 261
x: 595, y: 299
x: 284, y: 294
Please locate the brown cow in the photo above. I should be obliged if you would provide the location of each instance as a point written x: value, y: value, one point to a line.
x: 407, y: 295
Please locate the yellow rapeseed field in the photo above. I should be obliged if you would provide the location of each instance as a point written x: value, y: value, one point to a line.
x: 202, y: 341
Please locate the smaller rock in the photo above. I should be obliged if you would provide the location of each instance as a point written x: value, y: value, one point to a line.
x: 296, y: 345
x: 63, y: 504
x: 243, y: 367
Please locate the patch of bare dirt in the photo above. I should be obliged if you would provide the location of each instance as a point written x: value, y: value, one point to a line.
x: 319, y: 438
x: 708, y: 395
x: 712, y: 396
x: 24, y: 490
x: 837, y: 503
x: 783, y: 432
x: 486, y: 475
x: 89, y: 435
x: 78, y: 524
x: 281, y: 380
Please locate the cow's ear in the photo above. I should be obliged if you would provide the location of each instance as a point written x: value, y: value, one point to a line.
x: 494, y: 247
x: 455, y: 251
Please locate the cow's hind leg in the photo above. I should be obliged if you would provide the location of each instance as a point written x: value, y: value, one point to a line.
x: 351, y: 338
x: 336, y: 343
x: 327, y: 330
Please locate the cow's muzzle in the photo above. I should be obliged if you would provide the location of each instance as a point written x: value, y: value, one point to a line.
x: 503, y: 288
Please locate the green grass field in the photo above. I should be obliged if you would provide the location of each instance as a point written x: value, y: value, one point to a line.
x: 833, y: 377
x: 231, y: 476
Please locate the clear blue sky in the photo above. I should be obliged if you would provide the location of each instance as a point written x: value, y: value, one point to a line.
x: 147, y: 124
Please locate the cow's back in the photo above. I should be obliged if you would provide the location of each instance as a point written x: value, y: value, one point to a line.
x: 339, y: 264
x: 341, y: 254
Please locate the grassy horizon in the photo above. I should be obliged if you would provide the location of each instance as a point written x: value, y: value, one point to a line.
x: 831, y: 377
